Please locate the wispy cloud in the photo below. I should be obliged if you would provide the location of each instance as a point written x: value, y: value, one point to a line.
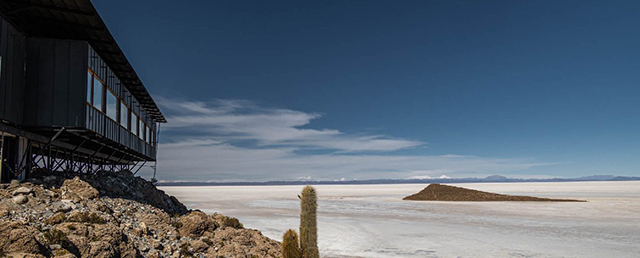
x: 242, y: 120
x: 232, y: 140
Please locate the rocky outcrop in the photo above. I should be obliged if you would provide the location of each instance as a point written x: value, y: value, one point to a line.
x: 438, y: 192
x: 115, y: 215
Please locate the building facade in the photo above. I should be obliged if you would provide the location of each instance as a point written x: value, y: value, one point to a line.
x: 69, y: 99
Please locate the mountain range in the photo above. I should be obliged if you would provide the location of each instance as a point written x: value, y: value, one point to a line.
x: 488, y: 179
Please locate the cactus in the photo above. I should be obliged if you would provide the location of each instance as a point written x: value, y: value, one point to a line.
x: 290, y: 247
x: 308, y: 223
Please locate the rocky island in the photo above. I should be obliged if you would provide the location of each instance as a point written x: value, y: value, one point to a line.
x: 439, y: 192
x: 115, y: 215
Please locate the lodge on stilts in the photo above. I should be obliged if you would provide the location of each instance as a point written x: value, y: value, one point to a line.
x: 69, y: 98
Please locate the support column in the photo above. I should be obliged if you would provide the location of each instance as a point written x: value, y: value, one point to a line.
x: 24, y: 156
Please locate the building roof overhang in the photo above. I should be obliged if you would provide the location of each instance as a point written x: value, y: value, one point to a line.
x: 78, y: 20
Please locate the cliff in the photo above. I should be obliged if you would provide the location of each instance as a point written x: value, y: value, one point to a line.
x: 115, y: 215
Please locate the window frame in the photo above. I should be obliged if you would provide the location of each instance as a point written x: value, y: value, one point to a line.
x: 117, y: 115
x: 143, y: 131
x: 89, y: 86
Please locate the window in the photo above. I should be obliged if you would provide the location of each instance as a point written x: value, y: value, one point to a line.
x: 124, y: 115
x: 134, y: 124
x: 148, y: 135
x: 112, y: 105
x: 89, y: 80
x: 97, y: 93
x: 141, y: 128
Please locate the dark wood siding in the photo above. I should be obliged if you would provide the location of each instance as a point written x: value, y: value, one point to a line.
x: 56, y: 82
x: 12, y: 51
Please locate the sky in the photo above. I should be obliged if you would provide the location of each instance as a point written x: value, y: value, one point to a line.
x: 344, y: 90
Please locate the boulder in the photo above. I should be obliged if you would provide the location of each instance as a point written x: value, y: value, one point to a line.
x: 16, y: 237
x: 23, y: 191
x: 62, y: 206
x: 20, y: 199
x: 49, y: 179
x: 195, y: 224
x: 101, y: 249
x: 199, y: 246
x: 80, y: 188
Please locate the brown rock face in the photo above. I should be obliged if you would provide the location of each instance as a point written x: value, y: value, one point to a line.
x: 438, y: 192
x: 115, y: 215
x: 17, y: 237
x: 80, y: 188
x: 196, y: 223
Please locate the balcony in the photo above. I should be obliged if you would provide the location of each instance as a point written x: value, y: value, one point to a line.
x: 99, y: 123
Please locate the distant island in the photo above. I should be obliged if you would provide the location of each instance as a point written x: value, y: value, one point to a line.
x: 489, y: 179
x: 438, y: 192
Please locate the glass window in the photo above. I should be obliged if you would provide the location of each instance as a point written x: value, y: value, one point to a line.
x: 134, y: 124
x: 148, y: 135
x: 112, y: 105
x: 97, y: 93
x: 89, y: 80
x: 124, y: 115
x: 142, y: 129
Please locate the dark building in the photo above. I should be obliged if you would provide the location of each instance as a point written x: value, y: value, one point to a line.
x: 69, y: 99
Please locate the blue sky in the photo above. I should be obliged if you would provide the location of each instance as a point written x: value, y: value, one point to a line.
x: 281, y: 90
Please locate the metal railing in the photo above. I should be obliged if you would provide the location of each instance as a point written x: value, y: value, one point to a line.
x: 98, y: 122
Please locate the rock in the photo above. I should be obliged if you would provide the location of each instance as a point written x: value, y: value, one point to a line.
x: 158, y: 245
x: 63, y: 206
x: 22, y: 255
x: 50, y: 194
x: 56, y: 219
x: 81, y: 188
x: 20, y: 199
x: 16, y: 237
x: 15, y: 182
x: 50, y: 179
x: 101, y: 249
x: 22, y: 191
x: 65, y: 255
x: 106, y: 232
x: 195, y: 224
x: 143, y: 228
x: 68, y: 196
x: 128, y: 250
x: 199, y: 246
x: 115, y: 215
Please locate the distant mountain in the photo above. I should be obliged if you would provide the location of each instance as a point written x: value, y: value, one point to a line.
x: 489, y: 179
x: 597, y: 178
x: 496, y: 178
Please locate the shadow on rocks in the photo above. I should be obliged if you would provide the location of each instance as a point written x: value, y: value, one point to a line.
x: 111, y: 184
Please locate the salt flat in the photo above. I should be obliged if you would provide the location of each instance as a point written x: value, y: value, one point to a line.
x: 373, y: 221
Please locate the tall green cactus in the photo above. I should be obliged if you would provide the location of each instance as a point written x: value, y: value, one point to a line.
x: 290, y: 247
x: 308, y: 223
